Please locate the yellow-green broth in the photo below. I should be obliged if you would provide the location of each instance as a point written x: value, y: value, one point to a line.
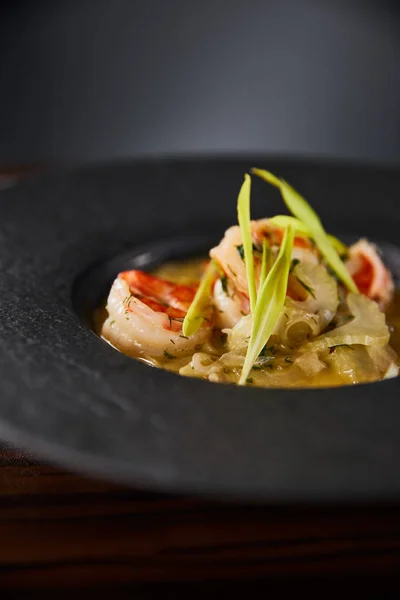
x: 189, y: 272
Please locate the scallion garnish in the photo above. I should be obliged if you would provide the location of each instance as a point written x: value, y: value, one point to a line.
x: 243, y: 209
x: 194, y: 317
x: 303, y: 211
x: 270, y: 302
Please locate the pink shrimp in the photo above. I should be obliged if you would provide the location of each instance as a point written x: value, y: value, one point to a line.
x: 371, y: 276
x: 231, y: 299
x: 146, y: 315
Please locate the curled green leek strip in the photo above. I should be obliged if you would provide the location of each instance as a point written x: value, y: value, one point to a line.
x: 270, y: 302
x: 243, y: 210
x: 194, y: 316
x: 303, y: 211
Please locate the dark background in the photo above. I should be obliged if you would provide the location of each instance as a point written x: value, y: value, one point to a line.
x: 88, y: 80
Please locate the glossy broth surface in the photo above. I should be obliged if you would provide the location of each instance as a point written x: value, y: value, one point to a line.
x: 189, y: 273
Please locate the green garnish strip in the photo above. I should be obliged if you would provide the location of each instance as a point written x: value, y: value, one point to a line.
x: 265, y: 262
x: 194, y: 317
x: 269, y: 305
x: 243, y: 210
x: 300, y: 208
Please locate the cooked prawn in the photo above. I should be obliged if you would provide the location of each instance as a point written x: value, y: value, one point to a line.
x: 231, y: 305
x: 146, y: 315
x: 229, y: 253
x: 371, y: 276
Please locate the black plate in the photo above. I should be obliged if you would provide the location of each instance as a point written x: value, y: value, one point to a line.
x: 69, y: 396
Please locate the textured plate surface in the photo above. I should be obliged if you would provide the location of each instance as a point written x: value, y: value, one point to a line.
x: 69, y: 396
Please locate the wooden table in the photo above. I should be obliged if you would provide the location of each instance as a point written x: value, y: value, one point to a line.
x: 61, y: 533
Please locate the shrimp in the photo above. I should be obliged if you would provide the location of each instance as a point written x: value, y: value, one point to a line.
x: 231, y: 299
x: 370, y: 275
x: 231, y: 305
x: 146, y: 315
x: 229, y: 252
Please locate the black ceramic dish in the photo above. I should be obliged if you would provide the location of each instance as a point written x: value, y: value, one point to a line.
x: 68, y: 395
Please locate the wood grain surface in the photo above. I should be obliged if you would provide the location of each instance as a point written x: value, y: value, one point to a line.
x: 62, y: 533
x: 61, y: 530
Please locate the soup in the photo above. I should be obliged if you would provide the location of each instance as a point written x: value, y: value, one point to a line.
x: 278, y: 303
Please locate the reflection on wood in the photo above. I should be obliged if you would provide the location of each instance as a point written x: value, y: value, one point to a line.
x: 60, y: 529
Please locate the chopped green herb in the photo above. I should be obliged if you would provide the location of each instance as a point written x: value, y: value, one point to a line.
x: 224, y: 283
x: 249, y: 380
x: 112, y: 322
x: 332, y: 348
x: 240, y: 249
x: 256, y: 368
x: 171, y: 340
x: 128, y: 299
x: 306, y: 287
x: 232, y: 271
x: 268, y: 350
x: 332, y: 273
x: 168, y: 355
x: 185, y: 337
x: 294, y: 264
x: 288, y: 360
